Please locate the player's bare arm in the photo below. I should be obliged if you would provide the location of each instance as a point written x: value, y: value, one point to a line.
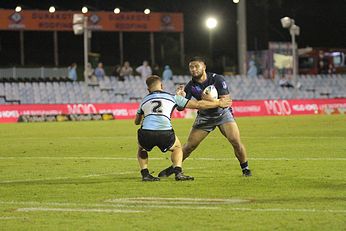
x: 138, y: 119
x: 204, y: 104
x: 226, y: 97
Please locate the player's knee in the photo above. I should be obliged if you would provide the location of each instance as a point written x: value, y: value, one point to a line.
x: 143, y: 154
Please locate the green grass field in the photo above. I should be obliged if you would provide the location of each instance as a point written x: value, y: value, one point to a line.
x: 85, y: 176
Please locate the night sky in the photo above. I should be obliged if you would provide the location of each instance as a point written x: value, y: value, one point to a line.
x: 322, y: 24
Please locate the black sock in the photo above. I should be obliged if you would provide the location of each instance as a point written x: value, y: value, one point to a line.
x: 177, y: 170
x: 145, y: 172
x: 170, y: 169
x: 244, y: 166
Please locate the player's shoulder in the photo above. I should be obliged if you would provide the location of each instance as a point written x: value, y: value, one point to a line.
x: 159, y: 94
x: 156, y: 95
x: 216, y: 77
x: 190, y: 83
x: 218, y: 81
x: 167, y: 93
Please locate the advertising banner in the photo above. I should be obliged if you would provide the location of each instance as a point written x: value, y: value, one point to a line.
x: 39, y: 20
x: 12, y: 113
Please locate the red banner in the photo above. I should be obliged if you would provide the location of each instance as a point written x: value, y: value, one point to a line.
x: 11, y: 113
x: 288, y: 107
x: 38, y: 20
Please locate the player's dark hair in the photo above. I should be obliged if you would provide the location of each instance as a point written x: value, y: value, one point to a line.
x: 198, y: 59
x: 151, y: 80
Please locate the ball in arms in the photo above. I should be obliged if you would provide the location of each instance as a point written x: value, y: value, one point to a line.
x: 211, y: 90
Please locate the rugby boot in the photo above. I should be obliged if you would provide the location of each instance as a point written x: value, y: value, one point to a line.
x: 247, y: 172
x: 150, y: 178
x: 181, y: 177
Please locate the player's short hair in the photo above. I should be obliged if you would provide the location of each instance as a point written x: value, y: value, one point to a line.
x: 198, y: 59
x: 152, y: 80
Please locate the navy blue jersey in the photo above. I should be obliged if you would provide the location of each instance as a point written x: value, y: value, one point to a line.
x: 195, y: 89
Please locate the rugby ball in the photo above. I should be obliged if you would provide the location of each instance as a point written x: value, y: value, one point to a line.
x: 211, y: 90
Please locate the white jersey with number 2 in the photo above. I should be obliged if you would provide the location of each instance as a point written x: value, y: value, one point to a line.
x: 157, y: 108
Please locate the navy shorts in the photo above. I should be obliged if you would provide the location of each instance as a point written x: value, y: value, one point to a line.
x: 148, y: 139
x: 208, y: 123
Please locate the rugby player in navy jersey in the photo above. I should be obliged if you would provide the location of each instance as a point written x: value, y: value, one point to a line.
x: 207, y: 120
x: 154, y: 115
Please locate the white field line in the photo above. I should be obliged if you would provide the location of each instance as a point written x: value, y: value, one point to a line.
x: 288, y: 210
x: 11, y: 218
x: 163, y: 158
x: 134, y: 137
x: 277, y: 158
x: 66, y: 178
x: 303, y: 210
x: 33, y: 209
x: 163, y: 200
x: 84, y: 210
x: 117, y: 205
x: 68, y: 204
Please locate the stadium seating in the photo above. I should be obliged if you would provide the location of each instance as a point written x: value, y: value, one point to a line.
x: 133, y: 89
x: 33, y: 74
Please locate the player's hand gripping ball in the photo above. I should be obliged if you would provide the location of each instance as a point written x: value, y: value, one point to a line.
x: 211, y: 91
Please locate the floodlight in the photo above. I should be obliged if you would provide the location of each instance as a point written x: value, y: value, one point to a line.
x: 211, y: 23
x: 286, y: 22
x: 84, y: 10
x: 294, y: 30
x: 51, y: 9
x: 147, y: 11
x: 18, y: 9
x: 116, y: 11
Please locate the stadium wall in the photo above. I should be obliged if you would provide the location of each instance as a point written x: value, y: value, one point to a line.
x: 14, y: 113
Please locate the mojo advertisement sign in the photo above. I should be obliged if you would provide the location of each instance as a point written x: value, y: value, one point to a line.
x: 11, y: 113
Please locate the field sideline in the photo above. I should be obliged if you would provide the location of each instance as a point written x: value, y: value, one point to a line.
x: 85, y: 176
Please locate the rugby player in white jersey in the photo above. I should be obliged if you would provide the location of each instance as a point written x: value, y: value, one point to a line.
x: 154, y: 115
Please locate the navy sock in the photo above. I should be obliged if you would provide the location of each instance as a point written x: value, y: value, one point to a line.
x: 177, y: 170
x: 244, y: 166
x: 145, y: 172
x: 170, y: 169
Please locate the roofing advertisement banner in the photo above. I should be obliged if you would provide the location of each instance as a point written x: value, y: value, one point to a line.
x: 39, y: 20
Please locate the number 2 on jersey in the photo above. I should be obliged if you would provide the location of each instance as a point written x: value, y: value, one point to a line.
x: 157, y: 106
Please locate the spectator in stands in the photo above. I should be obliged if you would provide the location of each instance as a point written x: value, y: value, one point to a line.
x: 125, y: 71
x: 116, y: 71
x: 100, y: 72
x: 156, y: 70
x: 72, y: 72
x: 144, y: 70
x: 89, y: 73
x: 331, y: 69
x: 252, y: 71
x: 283, y: 82
x: 167, y: 73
